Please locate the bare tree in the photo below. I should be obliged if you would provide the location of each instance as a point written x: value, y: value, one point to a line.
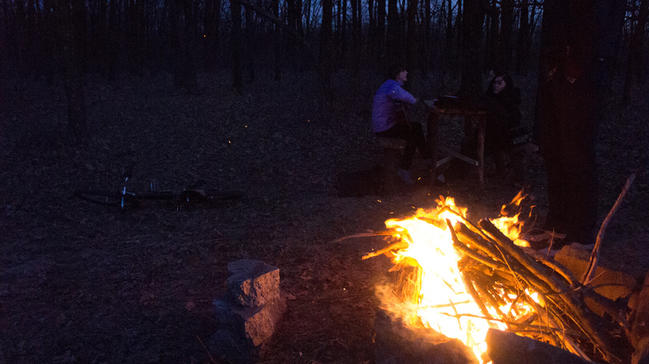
x: 567, y: 107
x: 523, y: 45
x: 277, y: 46
x: 393, y: 36
x: 71, y: 16
x: 411, y: 35
x: 380, y: 31
x: 324, y: 59
x: 473, y: 14
x: 356, y: 36
x: 636, y: 56
x: 506, y: 29
x: 235, y: 43
x: 211, y: 36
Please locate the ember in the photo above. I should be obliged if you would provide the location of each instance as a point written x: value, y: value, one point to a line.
x: 461, y: 279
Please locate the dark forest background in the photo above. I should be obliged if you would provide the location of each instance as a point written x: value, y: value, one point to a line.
x: 68, y: 40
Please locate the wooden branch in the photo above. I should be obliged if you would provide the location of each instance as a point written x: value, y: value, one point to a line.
x: 594, y: 255
x: 580, y: 314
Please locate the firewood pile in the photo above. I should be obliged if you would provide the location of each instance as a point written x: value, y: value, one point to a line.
x: 495, y: 269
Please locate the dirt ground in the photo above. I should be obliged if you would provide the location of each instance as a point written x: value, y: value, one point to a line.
x: 90, y: 284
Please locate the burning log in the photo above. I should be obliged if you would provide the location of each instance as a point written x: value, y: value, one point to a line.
x: 559, y: 294
x: 510, y: 288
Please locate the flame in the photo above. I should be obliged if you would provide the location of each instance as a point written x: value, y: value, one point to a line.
x: 511, y: 226
x: 442, y: 301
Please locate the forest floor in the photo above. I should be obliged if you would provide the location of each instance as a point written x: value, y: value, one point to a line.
x: 85, y: 283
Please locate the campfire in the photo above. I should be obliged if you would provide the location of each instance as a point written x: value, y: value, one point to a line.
x: 461, y: 279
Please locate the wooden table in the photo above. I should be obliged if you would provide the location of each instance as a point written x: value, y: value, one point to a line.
x: 473, y: 115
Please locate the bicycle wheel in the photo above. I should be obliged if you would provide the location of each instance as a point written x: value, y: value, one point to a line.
x: 100, y: 197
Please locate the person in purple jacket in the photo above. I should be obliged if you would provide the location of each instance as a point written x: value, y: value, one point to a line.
x: 389, y: 118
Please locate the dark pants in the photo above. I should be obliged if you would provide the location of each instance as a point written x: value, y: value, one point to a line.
x: 413, y: 135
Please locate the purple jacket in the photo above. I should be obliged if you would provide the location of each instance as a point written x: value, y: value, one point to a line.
x: 384, y: 108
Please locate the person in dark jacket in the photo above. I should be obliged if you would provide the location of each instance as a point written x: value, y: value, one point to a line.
x: 389, y: 118
x: 503, y: 100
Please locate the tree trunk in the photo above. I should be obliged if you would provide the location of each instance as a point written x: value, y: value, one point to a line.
x: 492, y: 44
x: 343, y: 30
x: 507, y: 24
x: 235, y: 12
x: 459, y: 28
x: 250, y: 45
x: 471, y: 84
x: 371, y: 36
x: 277, y: 43
x: 72, y: 25
x: 292, y: 45
x: 356, y: 36
x: 393, y: 44
x: 380, y: 32
x: 426, y: 38
x: 523, y: 48
x: 448, y: 54
x: 411, y: 35
x: 31, y: 38
x: 51, y: 41
x: 567, y: 108
x: 325, y: 61
x: 211, y: 34
x: 114, y: 39
x: 636, y: 55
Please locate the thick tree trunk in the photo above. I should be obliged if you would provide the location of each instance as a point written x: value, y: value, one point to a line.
x: 235, y: 37
x: 568, y: 115
x: 471, y: 84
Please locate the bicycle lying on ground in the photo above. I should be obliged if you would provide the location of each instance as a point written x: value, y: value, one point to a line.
x: 125, y: 199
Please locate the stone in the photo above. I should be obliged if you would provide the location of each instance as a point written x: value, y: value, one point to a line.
x: 253, y: 283
x: 248, y: 314
x: 509, y: 348
x: 396, y: 343
x: 256, y: 324
x: 608, y: 282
